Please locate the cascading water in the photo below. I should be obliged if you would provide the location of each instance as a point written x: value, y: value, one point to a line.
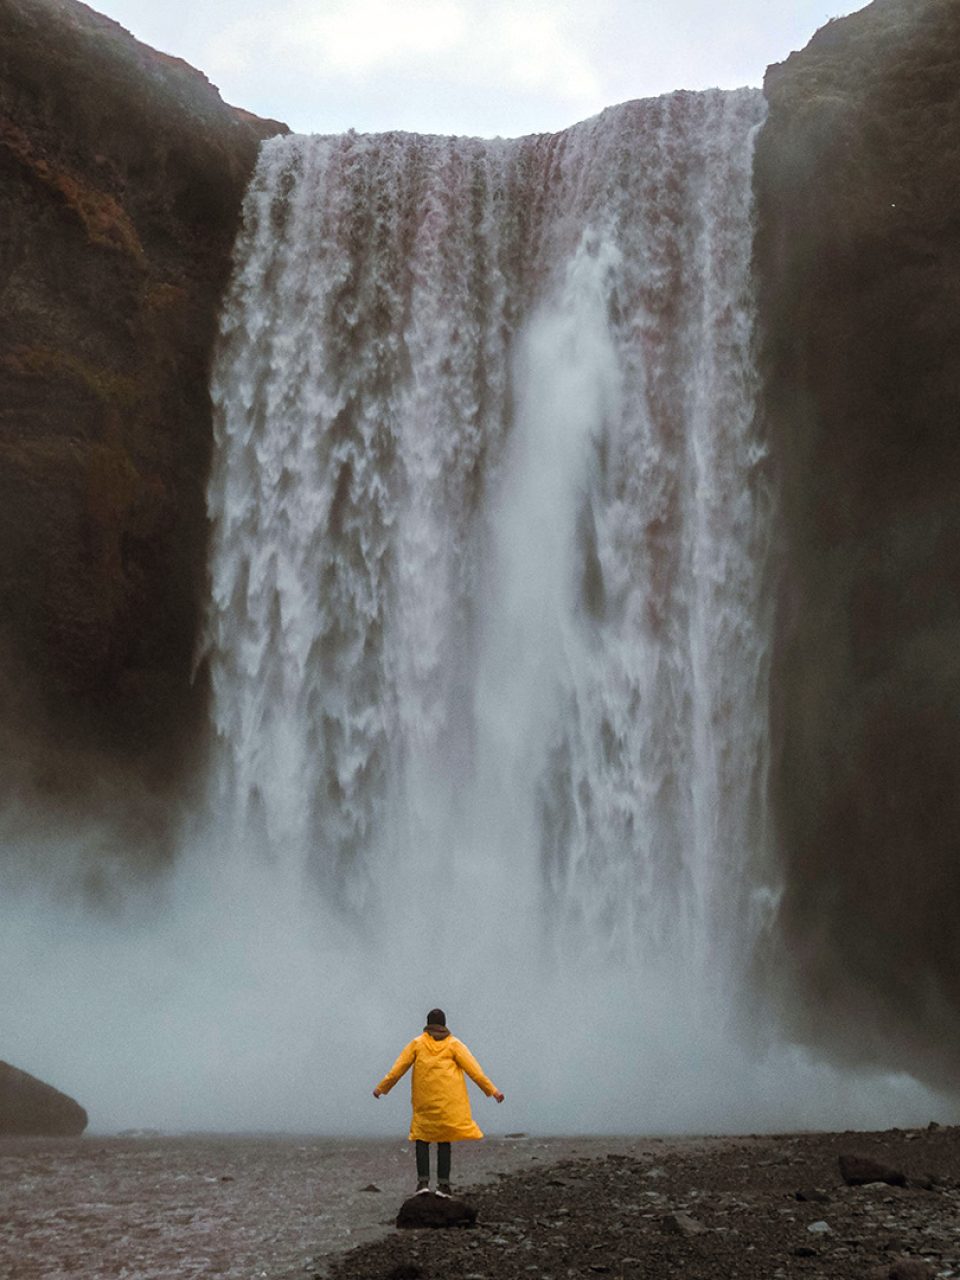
x: 486, y: 588
x: 487, y: 633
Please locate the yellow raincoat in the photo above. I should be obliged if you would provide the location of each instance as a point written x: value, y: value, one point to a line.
x: 441, y: 1108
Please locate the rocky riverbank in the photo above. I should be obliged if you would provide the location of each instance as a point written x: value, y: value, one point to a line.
x: 768, y: 1207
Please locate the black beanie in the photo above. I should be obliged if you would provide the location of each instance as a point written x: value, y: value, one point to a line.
x: 436, y: 1018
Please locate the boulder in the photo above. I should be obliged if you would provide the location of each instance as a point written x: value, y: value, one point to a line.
x: 430, y: 1210
x: 857, y: 1171
x: 30, y: 1108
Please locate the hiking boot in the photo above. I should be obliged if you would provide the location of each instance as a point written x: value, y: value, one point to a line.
x: 422, y: 1186
x: 443, y: 1189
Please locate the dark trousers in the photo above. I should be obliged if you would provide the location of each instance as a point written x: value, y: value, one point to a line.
x: 443, y: 1160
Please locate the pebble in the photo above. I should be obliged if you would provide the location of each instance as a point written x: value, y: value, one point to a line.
x: 682, y: 1224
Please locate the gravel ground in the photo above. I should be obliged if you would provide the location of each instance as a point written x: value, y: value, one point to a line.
x: 702, y: 1211
x: 235, y: 1207
x: 275, y: 1208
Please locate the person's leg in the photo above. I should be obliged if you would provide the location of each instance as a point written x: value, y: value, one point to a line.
x: 423, y: 1165
x: 443, y: 1166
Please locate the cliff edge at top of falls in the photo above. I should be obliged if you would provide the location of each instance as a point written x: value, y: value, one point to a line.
x: 858, y: 253
x: 123, y: 174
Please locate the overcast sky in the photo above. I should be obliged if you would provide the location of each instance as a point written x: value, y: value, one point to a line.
x: 483, y: 67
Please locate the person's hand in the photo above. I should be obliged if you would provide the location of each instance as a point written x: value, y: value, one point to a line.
x: 498, y: 1096
x: 376, y: 1093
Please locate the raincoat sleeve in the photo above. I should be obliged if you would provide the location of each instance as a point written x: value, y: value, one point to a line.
x: 468, y: 1063
x: 402, y: 1065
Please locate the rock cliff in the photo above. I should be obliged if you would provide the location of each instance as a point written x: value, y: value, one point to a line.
x: 121, y: 179
x: 858, y: 188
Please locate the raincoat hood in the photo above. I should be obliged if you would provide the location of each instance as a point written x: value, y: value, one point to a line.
x: 436, y: 1030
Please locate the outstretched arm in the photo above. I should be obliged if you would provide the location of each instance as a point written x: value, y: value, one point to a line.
x: 402, y: 1065
x: 467, y: 1062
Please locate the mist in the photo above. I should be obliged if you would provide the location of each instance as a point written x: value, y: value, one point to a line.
x: 212, y: 1003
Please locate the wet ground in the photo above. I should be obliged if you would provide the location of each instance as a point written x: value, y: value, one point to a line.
x: 149, y: 1208
x: 549, y: 1209
x: 771, y: 1208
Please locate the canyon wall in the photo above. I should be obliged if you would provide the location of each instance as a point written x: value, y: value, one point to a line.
x: 121, y: 178
x: 858, y: 186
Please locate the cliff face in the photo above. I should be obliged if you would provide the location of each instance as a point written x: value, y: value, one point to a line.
x: 121, y: 179
x: 858, y: 187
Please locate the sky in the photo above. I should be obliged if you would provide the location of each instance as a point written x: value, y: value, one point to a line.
x: 482, y: 67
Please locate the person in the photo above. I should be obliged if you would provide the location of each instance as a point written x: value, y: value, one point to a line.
x: 441, y: 1108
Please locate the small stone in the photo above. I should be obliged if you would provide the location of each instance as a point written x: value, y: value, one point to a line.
x: 227, y: 1177
x: 682, y: 1224
x: 858, y: 1171
x: 903, y: 1269
x: 805, y: 1251
x: 911, y: 1269
x: 819, y: 1228
x: 371, y: 1186
x: 812, y: 1195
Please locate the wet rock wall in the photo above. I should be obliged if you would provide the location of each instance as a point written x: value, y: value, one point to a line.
x: 858, y: 188
x: 121, y: 178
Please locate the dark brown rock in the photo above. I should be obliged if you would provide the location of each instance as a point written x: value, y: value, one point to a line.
x: 30, y: 1108
x: 682, y: 1224
x: 904, y: 1269
x: 858, y: 252
x: 121, y: 179
x: 812, y: 1195
x: 431, y: 1210
x: 859, y: 1170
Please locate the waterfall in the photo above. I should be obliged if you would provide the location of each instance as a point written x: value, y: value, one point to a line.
x: 488, y: 632
x: 488, y: 529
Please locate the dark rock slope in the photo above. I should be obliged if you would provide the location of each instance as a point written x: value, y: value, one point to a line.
x: 121, y: 179
x: 30, y: 1107
x: 858, y: 185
